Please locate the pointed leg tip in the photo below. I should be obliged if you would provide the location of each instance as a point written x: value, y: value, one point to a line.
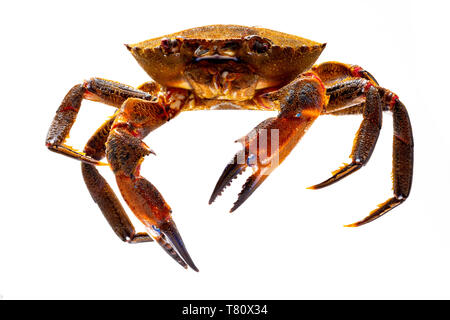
x: 323, y: 184
x: 342, y: 172
x: 375, y: 214
x: 351, y: 225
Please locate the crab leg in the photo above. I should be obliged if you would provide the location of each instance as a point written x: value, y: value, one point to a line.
x: 352, y: 90
x: 102, y: 193
x: 301, y: 102
x: 125, y: 151
x: 365, y: 140
x: 95, y: 89
x: 352, y: 95
x: 402, y: 161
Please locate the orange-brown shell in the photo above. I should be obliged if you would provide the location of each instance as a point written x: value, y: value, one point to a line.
x: 289, y: 55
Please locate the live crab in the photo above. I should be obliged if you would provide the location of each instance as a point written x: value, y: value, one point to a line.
x: 226, y: 67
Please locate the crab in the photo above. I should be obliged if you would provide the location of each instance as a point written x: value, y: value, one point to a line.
x: 226, y: 67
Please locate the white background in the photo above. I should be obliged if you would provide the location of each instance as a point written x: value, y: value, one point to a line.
x: 285, y: 242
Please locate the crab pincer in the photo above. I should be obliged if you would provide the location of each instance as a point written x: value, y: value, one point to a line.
x: 270, y: 142
x: 125, y: 152
x: 151, y: 209
x: 250, y: 156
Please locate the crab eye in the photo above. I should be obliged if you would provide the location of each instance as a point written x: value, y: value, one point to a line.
x: 258, y: 44
x: 229, y: 48
x: 169, y: 46
x: 200, y: 51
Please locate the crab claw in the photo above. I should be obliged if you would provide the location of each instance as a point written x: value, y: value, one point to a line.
x: 231, y: 171
x: 265, y: 147
x: 237, y: 167
x: 255, y: 154
x: 170, y: 240
x: 252, y: 183
x: 151, y: 209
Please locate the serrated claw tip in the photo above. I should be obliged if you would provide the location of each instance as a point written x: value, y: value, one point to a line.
x: 231, y: 171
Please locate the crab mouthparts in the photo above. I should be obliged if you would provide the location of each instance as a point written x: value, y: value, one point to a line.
x: 216, y: 57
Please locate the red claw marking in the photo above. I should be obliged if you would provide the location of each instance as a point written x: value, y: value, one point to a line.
x: 359, y: 72
x: 368, y: 86
x: 314, y: 76
x: 393, y: 102
x: 356, y: 71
